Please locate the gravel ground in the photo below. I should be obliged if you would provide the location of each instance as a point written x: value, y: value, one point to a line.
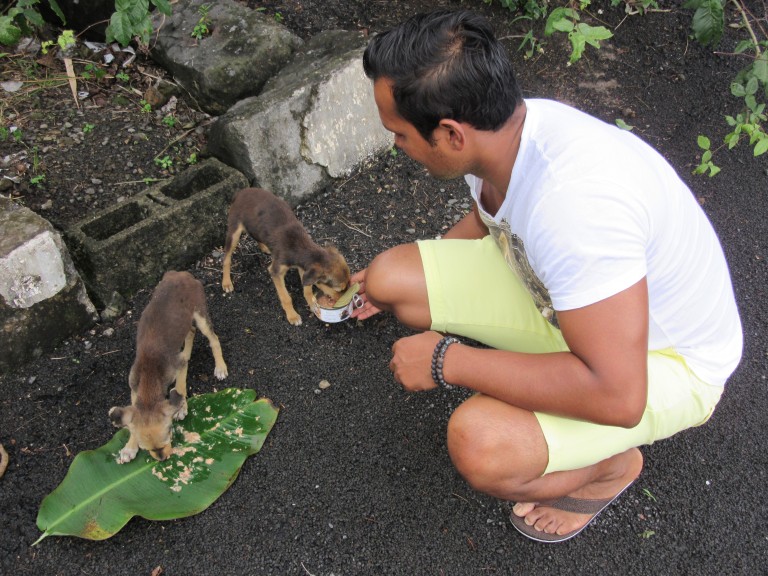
x: 355, y: 478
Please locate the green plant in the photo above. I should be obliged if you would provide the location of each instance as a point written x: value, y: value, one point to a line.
x: 122, y: 76
x: 706, y: 164
x: 279, y: 17
x: 98, y: 496
x: 623, y: 125
x: 131, y: 19
x: 93, y: 71
x: 22, y: 18
x: 170, y: 121
x: 202, y: 29
x: 192, y: 158
x: 88, y: 128
x: 649, y: 494
x: 165, y: 162
x: 37, y: 180
x: 750, y: 83
x: 566, y: 20
x: 146, y: 107
x: 64, y: 40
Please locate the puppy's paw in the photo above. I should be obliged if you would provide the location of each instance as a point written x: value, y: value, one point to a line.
x: 221, y: 372
x: 126, y: 455
x: 227, y: 286
x: 181, y: 413
x: 294, y: 319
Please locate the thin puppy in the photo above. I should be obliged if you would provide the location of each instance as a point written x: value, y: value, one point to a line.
x: 270, y: 221
x: 163, y: 348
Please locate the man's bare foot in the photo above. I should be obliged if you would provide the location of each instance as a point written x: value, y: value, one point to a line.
x: 624, y: 469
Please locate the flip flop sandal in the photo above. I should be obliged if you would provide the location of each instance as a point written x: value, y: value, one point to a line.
x: 567, y: 504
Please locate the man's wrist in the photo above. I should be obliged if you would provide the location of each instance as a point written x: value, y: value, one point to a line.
x: 438, y: 359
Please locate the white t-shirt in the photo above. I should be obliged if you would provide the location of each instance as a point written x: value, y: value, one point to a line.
x: 591, y: 210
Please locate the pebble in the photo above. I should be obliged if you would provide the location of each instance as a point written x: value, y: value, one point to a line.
x: 324, y: 384
x: 109, y: 332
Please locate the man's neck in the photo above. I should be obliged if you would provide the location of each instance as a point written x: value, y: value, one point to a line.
x: 498, y: 152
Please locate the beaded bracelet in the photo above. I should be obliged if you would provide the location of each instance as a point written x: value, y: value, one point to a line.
x: 438, y: 357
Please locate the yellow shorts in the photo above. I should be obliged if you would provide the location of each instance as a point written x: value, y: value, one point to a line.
x: 473, y: 293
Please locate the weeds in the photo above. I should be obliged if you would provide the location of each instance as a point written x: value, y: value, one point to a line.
x: 165, y: 162
x: 202, y: 28
x: 751, y: 82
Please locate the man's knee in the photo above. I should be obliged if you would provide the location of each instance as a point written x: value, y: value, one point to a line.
x: 495, y: 446
x: 396, y: 277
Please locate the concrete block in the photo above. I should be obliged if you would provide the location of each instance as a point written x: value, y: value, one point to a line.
x: 171, y: 225
x: 314, y: 121
x: 42, y: 297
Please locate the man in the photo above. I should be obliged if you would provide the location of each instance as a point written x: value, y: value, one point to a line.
x: 586, y: 266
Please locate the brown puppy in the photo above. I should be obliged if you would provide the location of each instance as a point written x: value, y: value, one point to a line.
x: 270, y: 221
x: 166, y: 326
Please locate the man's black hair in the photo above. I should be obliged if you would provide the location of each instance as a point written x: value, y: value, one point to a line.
x: 445, y: 65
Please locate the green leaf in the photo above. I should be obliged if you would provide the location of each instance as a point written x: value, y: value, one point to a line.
x: 623, y: 125
x: 98, y: 496
x: 578, y: 43
x: 703, y: 142
x: 119, y: 29
x: 34, y: 17
x: 761, y: 147
x: 9, y: 32
x: 138, y: 11
x: 593, y: 34
x: 738, y: 89
x: 560, y: 19
x: 760, y: 68
x: 708, y: 21
x: 163, y: 6
x: 57, y: 10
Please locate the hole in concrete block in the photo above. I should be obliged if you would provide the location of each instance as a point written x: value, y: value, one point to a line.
x: 192, y: 182
x: 115, y: 221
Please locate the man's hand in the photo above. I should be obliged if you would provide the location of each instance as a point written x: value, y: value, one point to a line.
x: 367, y: 309
x: 412, y: 361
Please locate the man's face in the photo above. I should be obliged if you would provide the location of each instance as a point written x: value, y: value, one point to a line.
x: 435, y: 156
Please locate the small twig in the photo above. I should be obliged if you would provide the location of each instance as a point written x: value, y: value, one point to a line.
x: 184, y: 135
x: 107, y: 353
x: 144, y: 181
x: 352, y: 227
x: 3, y: 460
x: 305, y: 569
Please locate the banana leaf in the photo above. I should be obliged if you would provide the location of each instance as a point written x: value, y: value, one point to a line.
x: 98, y: 496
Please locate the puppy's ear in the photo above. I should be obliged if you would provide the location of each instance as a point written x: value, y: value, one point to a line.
x: 121, y: 417
x: 311, y: 275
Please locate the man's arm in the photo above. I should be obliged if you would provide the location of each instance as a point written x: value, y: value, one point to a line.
x: 469, y: 227
x: 602, y: 379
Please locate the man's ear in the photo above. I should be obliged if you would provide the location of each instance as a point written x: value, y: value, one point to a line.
x: 454, y: 133
x: 121, y: 417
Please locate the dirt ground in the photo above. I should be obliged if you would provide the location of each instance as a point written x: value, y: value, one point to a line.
x: 355, y: 478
